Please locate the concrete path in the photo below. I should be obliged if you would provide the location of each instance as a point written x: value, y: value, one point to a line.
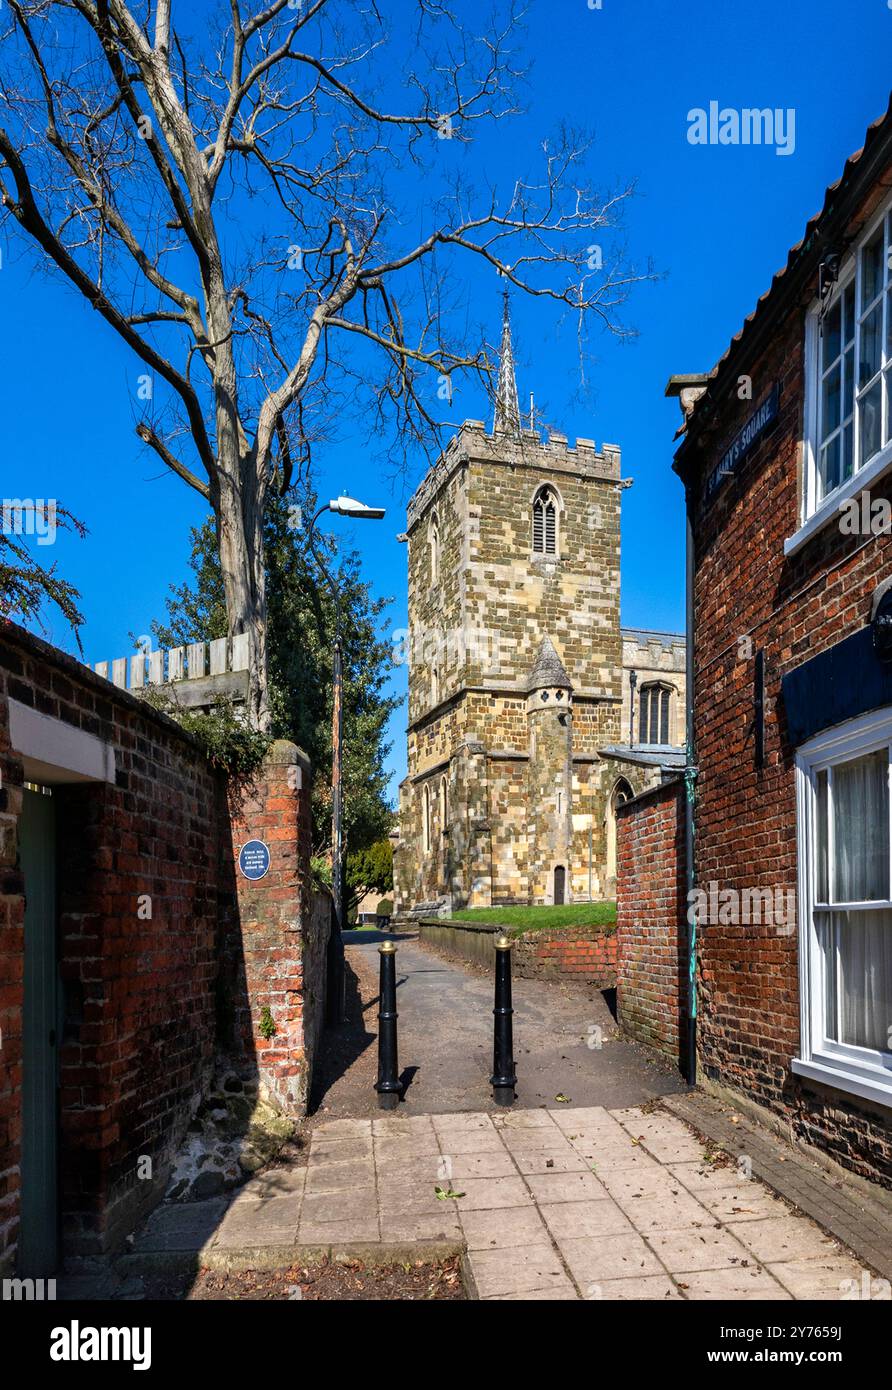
x: 550, y: 1204
x: 565, y: 1037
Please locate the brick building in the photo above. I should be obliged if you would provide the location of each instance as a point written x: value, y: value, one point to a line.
x: 786, y: 459
x: 532, y: 715
x: 134, y: 956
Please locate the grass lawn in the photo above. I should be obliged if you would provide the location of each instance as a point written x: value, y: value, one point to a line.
x: 531, y: 918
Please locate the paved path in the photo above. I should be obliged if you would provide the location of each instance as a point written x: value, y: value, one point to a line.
x: 550, y: 1204
x: 565, y: 1041
x: 606, y: 1196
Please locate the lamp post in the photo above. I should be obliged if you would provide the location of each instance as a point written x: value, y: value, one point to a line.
x: 341, y: 506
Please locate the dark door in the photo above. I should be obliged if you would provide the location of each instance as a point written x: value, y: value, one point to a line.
x: 38, y: 1242
x: 560, y: 876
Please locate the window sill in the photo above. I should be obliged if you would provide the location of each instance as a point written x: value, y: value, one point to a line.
x: 829, y: 508
x: 879, y: 1091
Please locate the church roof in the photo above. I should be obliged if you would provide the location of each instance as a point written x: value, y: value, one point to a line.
x: 549, y: 669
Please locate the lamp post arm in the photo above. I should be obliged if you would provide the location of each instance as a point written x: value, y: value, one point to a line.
x: 326, y: 573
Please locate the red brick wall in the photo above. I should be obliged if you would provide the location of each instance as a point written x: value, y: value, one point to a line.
x: 584, y: 954
x: 266, y: 960
x: 138, y: 879
x: 746, y: 825
x: 153, y: 916
x: 651, y: 933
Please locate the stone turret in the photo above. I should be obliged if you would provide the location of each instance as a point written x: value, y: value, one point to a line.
x: 549, y: 777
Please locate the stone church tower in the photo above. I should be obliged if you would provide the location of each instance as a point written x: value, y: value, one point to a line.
x: 515, y: 668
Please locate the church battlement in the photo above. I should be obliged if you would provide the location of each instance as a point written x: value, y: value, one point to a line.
x: 525, y: 449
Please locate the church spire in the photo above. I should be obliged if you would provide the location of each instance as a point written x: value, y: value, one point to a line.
x: 507, y: 419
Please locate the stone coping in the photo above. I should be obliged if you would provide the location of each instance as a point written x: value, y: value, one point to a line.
x: 529, y: 934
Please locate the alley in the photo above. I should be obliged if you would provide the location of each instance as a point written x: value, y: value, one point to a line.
x: 565, y: 1041
x: 588, y: 1188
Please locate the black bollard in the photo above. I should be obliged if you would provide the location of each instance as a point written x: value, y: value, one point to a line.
x: 504, y: 1077
x: 387, y: 1085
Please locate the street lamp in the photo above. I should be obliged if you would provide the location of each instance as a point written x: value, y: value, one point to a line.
x: 336, y: 1002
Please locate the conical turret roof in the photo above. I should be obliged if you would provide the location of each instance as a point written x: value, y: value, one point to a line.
x: 548, y: 669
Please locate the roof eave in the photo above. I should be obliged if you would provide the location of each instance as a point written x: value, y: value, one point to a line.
x: 788, y: 284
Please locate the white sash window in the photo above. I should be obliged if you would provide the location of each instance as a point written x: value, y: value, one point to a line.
x: 848, y: 394
x: 845, y: 889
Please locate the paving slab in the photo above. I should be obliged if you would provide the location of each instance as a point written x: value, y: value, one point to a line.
x: 746, y: 1202
x: 275, y: 1182
x: 460, y: 1167
x: 441, y: 1225
x: 488, y: 1194
x: 666, y: 1213
x: 270, y: 1222
x: 181, y: 1226
x: 517, y: 1193
x: 732, y: 1285
x: 591, y: 1259
x: 682, y: 1252
x: 853, y: 1211
x: 826, y: 1279
x: 565, y: 1187
x: 784, y: 1238
x: 551, y: 1161
x: 566, y: 1220
x: 499, y: 1273
x: 340, y: 1176
x: 504, y: 1229
x: 656, y: 1289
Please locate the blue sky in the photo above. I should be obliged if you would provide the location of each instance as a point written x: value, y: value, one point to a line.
x: 717, y: 220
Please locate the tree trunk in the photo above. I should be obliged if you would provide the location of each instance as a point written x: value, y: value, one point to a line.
x: 240, y: 543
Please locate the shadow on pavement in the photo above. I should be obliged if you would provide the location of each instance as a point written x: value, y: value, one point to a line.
x: 342, y: 1045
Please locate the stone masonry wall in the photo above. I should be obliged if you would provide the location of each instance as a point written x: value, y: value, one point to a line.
x: 480, y: 625
x: 651, y: 907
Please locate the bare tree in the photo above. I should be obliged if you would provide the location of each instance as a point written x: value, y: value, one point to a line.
x: 238, y: 194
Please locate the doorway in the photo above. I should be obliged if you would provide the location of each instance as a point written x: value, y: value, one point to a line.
x: 39, y: 1235
x: 560, y: 884
x: 621, y: 793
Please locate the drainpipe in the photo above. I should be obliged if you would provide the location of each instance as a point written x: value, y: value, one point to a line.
x: 633, y: 681
x: 690, y: 777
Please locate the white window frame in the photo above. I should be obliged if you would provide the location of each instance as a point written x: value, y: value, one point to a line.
x: 814, y: 515
x: 860, y: 1071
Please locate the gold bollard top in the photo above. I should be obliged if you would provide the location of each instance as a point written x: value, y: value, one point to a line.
x: 502, y: 943
x: 387, y: 948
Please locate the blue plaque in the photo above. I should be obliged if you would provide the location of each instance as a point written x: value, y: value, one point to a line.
x: 253, y: 859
